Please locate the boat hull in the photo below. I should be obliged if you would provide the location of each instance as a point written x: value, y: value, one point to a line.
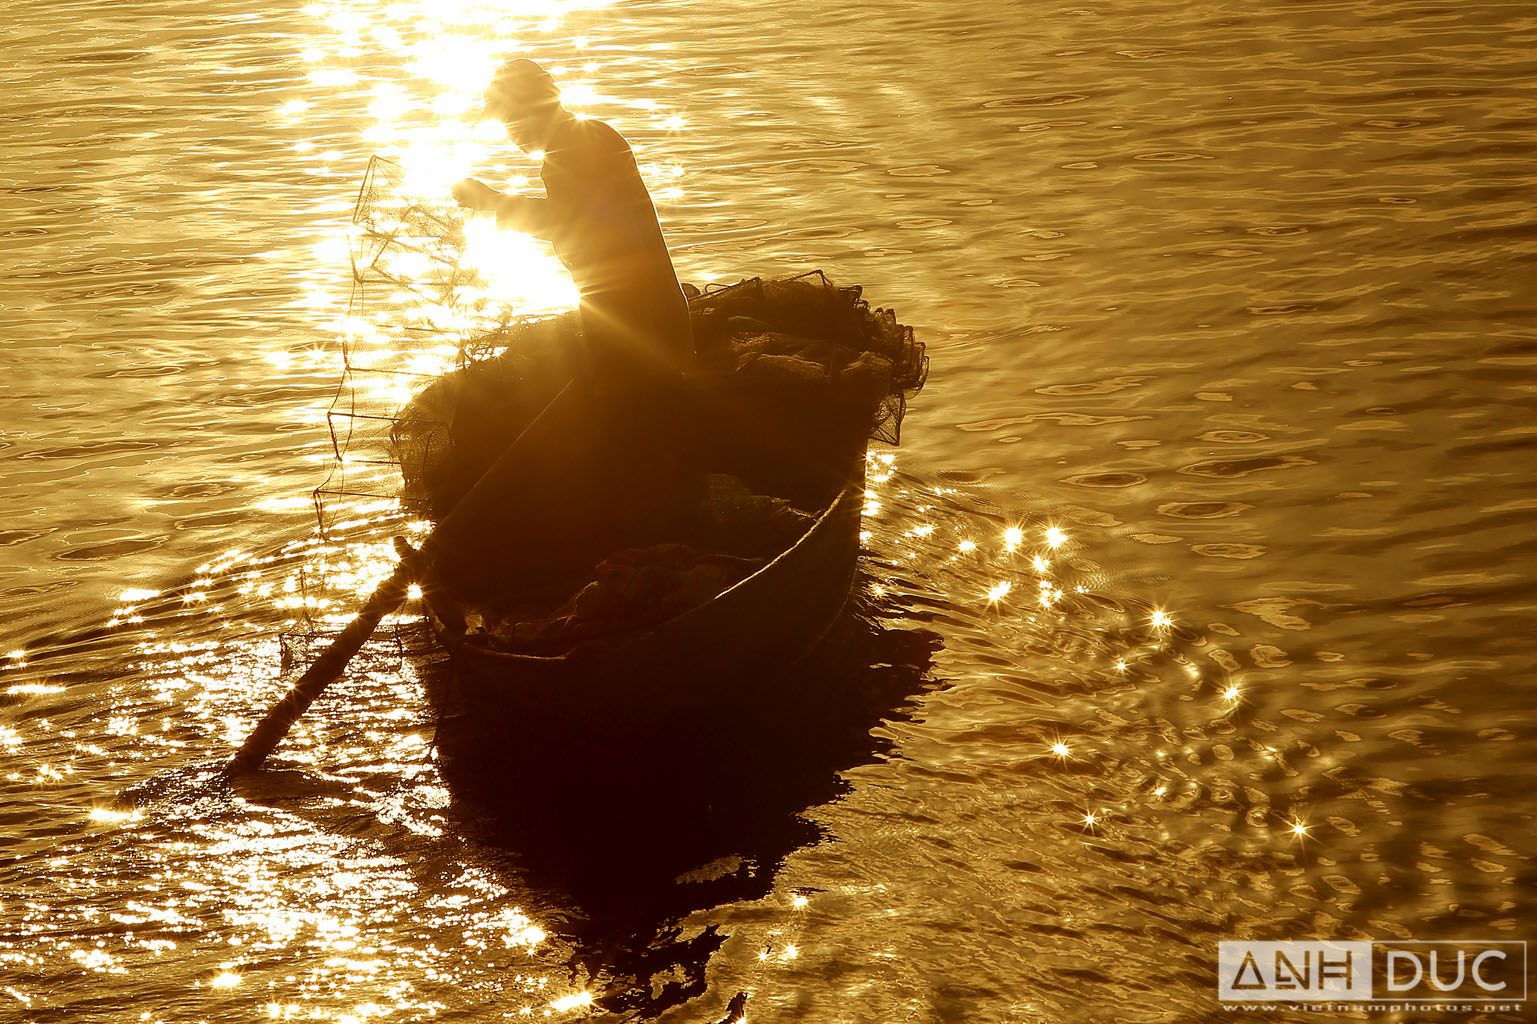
x: 716, y: 664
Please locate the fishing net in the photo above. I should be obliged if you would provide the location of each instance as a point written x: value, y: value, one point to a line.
x: 437, y: 373
x: 417, y: 310
x: 808, y: 328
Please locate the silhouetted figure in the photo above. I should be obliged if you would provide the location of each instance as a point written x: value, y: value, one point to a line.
x: 598, y: 215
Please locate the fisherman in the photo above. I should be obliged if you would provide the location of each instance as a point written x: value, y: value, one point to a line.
x: 598, y: 215
x: 629, y: 469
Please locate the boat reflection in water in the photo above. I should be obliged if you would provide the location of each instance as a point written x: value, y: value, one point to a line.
x: 636, y: 829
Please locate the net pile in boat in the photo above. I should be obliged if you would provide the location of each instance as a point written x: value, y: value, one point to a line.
x: 807, y: 345
x: 807, y: 326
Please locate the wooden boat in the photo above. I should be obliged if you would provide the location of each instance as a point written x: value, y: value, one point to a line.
x: 726, y: 658
x: 718, y: 653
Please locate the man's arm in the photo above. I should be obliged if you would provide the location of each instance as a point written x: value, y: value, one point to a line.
x: 521, y: 213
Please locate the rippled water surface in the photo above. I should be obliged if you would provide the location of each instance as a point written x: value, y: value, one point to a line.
x: 1230, y: 315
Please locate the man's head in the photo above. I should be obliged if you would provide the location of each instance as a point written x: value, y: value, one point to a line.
x: 525, y: 98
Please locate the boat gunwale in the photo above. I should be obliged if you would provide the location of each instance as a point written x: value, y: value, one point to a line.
x: 513, y: 658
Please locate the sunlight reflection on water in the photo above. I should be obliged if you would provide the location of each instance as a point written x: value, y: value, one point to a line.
x: 426, y: 67
x: 1219, y: 302
x: 341, y: 857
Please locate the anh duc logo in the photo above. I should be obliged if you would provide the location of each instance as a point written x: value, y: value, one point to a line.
x: 1406, y: 971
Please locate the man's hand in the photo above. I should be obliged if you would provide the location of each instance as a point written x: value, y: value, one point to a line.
x: 520, y: 213
x: 476, y: 195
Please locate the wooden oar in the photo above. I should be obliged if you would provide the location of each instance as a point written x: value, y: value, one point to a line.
x: 327, y: 668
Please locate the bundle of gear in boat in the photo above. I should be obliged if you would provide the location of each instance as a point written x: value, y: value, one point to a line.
x: 798, y: 359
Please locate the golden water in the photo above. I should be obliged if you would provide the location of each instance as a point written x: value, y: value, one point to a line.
x: 1229, y: 309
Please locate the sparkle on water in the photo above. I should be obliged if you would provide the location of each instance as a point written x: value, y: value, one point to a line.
x: 342, y: 886
x: 320, y: 581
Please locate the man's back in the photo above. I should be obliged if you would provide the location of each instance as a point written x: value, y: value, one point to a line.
x: 605, y: 230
